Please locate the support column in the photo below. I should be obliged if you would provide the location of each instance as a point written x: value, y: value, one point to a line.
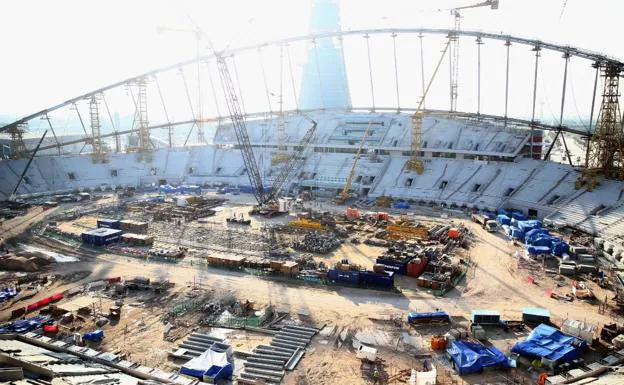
x: 144, y: 134
x: 507, y: 44
x: 607, y: 142
x: 396, y: 71
x: 96, y: 139
x: 479, y: 44
x: 537, y: 50
x: 370, y: 70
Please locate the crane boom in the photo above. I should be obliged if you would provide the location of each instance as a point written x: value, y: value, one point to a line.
x: 291, y: 163
x: 240, y: 129
x: 344, y: 194
x: 19, y: 181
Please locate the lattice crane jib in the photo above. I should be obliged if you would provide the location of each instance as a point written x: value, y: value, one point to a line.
x: 18, y: 147
x: 240, y: 129
x: 96, y: 138
x: 144, y: 133
x: 606, y: 145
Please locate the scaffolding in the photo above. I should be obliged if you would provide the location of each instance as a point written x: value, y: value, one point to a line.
x: 99, y: 153
x: 18, y: 147
x: 144, y: 144
x: 606, y: 145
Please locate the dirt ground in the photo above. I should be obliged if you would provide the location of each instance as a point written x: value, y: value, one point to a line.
x: 495, y: 282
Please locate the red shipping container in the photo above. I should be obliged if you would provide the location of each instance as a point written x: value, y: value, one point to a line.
x: 57, y: 296
x: 50, y: 328
x: 453, y: 233
x: 114, y: 280
x: 416, y: 269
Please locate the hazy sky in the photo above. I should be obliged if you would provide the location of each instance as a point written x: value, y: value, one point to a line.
x: 54, y: 50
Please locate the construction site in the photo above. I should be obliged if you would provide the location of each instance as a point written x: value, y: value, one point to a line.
x: 330, y: 243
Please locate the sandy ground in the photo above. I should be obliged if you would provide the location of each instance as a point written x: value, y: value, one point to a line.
x: 494, y: 283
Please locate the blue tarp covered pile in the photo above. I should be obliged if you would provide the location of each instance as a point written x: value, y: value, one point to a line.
x: 7, y: 293
x: 518, y: 216
x: 210, y: 363
x: 94, y: 336
x: 24, y: 325
x: 503, y: 219
x: 167, y: 189
x: 550, y: 343
x: 401, y: 205
x: 531, y: 235
x: 438, y: 316
x: 471, y: 357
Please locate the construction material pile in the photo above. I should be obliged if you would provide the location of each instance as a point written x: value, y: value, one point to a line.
x: 315, y: 242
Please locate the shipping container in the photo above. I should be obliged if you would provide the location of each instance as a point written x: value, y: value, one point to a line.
x: 416, y: 266
x: 133, y: 226
x: 372, y: 279
x: 398, y: 266
x: 485, y: 317
x: 108, y: 223
x: 101, y: 237
x: 350, y: 277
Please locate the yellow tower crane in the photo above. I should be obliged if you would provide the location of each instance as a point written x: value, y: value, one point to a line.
x: 344, y: 194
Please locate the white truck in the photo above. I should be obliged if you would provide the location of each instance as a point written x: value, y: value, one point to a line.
x: 485, y: 222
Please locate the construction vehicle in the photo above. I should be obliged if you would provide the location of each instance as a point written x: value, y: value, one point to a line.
x: 267, y: 199
x: 485, y: 222
x: 234, y: 220
x: 344, y: 194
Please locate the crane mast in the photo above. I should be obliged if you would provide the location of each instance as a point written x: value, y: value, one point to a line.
x: 344, y: 194
x: 240, y: 129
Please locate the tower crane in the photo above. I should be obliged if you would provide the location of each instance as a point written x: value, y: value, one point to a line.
x: 454, y: 38
x: 344, y: 194
x: 264, y: 198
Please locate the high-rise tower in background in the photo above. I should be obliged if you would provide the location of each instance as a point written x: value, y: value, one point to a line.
x: 324, y: 79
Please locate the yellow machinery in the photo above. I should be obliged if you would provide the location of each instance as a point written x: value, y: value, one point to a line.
x: 409, y: 231
x: 344, y: 194
x: 383, y: 201
x: 415, y: 163
x: 306, y: 224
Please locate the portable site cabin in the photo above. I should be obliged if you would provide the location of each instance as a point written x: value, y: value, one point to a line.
x: 485, y: 317
x: 535, y: 316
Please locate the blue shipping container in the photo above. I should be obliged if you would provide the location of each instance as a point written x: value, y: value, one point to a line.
x: 370, y: 278
x: 108, y: 223
x: 348, y: 277
x: 395, y: 265
x: 101, y: 237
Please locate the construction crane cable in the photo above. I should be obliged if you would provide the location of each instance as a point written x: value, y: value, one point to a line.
x: 292, y: 77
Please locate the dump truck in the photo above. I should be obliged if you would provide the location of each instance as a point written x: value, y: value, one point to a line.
x: 485, y: 222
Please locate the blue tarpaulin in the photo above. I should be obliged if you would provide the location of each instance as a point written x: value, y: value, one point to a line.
x: 558, y: 248
x: 547, y: 342
x: 503, y: 219
x: 518, y: 216
x: 531, y: 235
x: 23, y: 325
x: 95, y: 336
x: 413, y: 317
x: 471, y: 357
x: 211, y: 363
x: 536, y: 250
x: 504, y: 212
